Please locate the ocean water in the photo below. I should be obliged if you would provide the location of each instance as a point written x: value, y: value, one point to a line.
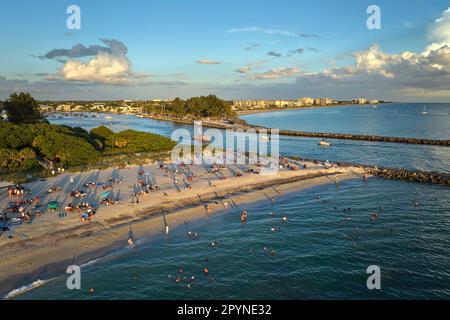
x: 388, y: 117
x: 324, y: 249
x: 395, y: 119
x: 319, y: 252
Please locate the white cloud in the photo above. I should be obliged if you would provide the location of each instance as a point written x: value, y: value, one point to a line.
x: 402, y: 73
x: 207, y: 61
x: 107, y: 67
x: 104, y: 68
x: 276, y: 73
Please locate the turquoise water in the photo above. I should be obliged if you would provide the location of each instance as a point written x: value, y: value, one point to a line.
x: 396, y: 119
x: 319, y: 252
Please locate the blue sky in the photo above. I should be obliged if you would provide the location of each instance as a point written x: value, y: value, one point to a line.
x: 235, y: 49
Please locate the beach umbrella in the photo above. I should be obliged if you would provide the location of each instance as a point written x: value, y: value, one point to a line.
x: 53, y: 205
x: 105, y: 194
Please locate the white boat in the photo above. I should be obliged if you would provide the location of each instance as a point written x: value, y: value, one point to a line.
x: 374, y: 106
x: 108, y: 117
x: 424, y: 112
x: 324, y: 143
x: 264, y: 138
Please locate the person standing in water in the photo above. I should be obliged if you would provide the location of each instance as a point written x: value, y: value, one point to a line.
x: 244, y: 216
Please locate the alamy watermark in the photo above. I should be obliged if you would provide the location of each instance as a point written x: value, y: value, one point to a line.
x: 74, y: 280
x: 374, y: 20
x: 73, y: 22
x: 215, y: 147
x: 374, y: 280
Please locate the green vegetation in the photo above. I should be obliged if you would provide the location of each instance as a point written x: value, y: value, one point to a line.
x: 130, y: 141
x: 29, y: 144
x: 197, y: 107
x: 29, y: 147
x: 209, y: 106
x: 22, y: 108
x: 23, y: 146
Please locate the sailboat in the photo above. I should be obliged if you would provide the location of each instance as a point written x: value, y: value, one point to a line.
x: 424, y: 112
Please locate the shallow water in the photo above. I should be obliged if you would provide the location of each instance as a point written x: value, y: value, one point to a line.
x: 319, y: 253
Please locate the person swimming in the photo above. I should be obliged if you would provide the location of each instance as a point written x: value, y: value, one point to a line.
x: 284, y: 219
x: 215, y: 243
x: 244, y: 217
x: 374, y: 217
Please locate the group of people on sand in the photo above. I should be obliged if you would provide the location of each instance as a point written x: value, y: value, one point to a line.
x: 54, y: 189
x: 59, y: 170
x: 16, y: 192
x: 90, y: 184
x: 78, y: 194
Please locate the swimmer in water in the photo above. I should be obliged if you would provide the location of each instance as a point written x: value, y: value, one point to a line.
x: 284, y: 219
x: 205, y: 271
x: 374, y: 217
x: 273, y: 229
x: 130, y: 242
x: 215, y: 243
x: 91, y: 291
x: 244, y: 216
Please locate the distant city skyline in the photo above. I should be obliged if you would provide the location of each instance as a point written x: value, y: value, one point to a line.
x: 236, y: 50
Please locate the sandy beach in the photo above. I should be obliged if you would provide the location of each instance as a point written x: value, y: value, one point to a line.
x: 45, y: 247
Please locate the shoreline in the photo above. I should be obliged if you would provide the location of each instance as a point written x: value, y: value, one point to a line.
x: 52, y: 253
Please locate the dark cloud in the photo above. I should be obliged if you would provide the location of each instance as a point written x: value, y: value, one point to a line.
x: 301, y: 51
x: 79, y: 50
x: 274, y: 54
x: 251, y: 46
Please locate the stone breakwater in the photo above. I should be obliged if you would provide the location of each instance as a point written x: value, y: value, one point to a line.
x: 395, y: 173
x: 324, y: 135
x: 345, y: 136
x: 413, y: 176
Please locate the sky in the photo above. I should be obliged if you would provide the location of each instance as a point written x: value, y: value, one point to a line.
x: 285, y: 49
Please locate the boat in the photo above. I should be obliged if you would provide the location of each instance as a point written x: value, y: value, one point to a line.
x: 324, y: 143
x: 108, y: 117
x: 202, y: 138
x: 424, y: 112
x: 264, y: 138
x: 374, y: 106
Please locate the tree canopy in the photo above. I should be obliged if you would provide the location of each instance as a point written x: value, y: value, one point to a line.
x: 22, y: 108
x: 204, y: 106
